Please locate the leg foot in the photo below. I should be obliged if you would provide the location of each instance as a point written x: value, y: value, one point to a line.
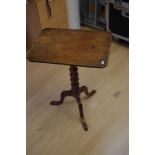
x: 63, y: 95
x: 85, y: 90
x: 81, y: 114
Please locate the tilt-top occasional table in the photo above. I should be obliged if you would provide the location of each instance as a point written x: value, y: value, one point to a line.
x: 75, y: 48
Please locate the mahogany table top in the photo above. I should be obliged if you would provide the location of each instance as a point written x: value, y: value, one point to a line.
x: 71, y: 47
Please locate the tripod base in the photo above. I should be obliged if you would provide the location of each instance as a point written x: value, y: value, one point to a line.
x: 75, y: 92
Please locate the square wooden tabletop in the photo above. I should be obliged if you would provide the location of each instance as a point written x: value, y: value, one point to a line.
x: 71, y: 47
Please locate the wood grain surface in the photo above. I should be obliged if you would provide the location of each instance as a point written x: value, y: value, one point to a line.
x: 71, y: 47
x: 57, y: 131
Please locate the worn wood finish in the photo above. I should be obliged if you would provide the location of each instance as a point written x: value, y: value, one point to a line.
x: 72, y: 47
x: 53, y: 130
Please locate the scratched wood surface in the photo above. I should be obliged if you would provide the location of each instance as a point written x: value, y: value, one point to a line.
x: 71, y: 47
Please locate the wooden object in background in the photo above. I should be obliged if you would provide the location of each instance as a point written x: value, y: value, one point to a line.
x: 58, y: 17
x: 42, y: 14
x: 33, y: 26
x: 72, y: 47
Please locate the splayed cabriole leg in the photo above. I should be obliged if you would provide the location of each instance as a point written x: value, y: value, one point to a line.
x: 63, y: 95
x: 81, y: 114
x: 75, y: 92
x: 85, y: 90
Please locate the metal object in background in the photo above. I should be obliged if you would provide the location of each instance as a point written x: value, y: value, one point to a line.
x: 93, y: 13
x: 110, y: 15
x: 117, y: 18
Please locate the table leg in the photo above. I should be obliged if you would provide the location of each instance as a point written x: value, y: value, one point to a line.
x: 63, y: 95
x: 75, y: 92
x: 85, y: 90
x: 81, y: 114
